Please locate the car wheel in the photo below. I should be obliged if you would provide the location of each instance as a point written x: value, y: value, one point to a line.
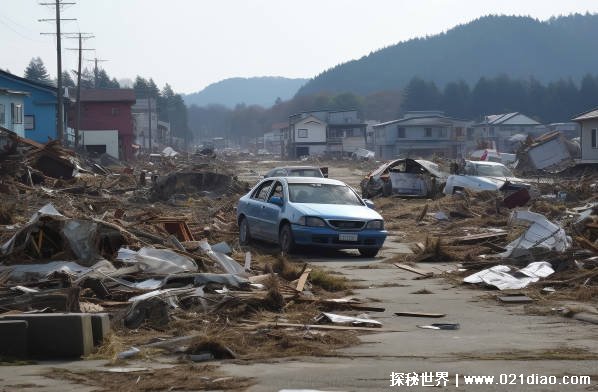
x: 457, y: 189
x: 285, y: 239
x: 387, y: 189
x: 369, y: 252
x: 244, y: 233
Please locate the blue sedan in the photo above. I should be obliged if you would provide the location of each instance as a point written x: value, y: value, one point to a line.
x: 309, y: 211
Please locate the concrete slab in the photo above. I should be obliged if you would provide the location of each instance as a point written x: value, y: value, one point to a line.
x: 13, y: 338
x: 100, y: 325
x: 57, y: 335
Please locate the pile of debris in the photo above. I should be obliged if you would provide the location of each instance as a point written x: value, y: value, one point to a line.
x: 119, y: 258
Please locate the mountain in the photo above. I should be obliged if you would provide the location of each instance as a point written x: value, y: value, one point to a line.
x: 520, y: 47
x: 261, y: 91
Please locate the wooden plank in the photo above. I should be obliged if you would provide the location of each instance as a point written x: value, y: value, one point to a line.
x: 471, y: 239
x: 516, y: 299
x: 303, y: 279
x: 419, y: 314
x: 414, y: 270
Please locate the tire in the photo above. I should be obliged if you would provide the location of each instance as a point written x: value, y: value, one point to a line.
x: 368, y: 252
x: 387, y: 189
x: 244, y: 232
x: 457, y: 189
x: 285, y: 239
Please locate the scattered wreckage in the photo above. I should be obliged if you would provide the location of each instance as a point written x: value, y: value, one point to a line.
x: 88, y: 245
x: 550, y: 152
x: 404, y: 177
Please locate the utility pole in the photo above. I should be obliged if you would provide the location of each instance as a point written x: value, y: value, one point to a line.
x: 149, y: 107
x: 60, y: 124
x: 80, y: 50
x: 96, y: 70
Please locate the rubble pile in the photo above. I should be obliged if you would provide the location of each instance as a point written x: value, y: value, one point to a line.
x: 551, y: 243
x: 146, y: 250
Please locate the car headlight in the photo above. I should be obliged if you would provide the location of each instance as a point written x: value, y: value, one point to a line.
x: 311, y: 221
x: 376, y: 225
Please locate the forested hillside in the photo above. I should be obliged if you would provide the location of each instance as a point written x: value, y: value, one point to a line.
x: 519, y: 47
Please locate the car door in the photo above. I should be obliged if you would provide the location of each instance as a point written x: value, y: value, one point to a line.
x: 254, y: 209
x: 270, y: 213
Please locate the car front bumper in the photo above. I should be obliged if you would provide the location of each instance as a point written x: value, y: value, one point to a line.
x: 329, y: 238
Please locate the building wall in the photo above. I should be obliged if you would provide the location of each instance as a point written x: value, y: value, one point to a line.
x: 348, y: 117
x: 419, y: 133
x: 316, y: 131
x: 41, y: 104
x: 6, y: 101
x: 101, y: 116
x: 107, y: 138
x: 588, y: 153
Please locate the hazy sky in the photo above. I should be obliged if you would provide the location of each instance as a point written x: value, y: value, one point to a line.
x: 192, y: 43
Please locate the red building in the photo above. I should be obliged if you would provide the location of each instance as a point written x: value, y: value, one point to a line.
x: 108, y: 109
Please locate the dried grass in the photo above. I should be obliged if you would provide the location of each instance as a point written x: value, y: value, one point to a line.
x: 184, y: 377
x: 554, y: 354
x: 327, y: 281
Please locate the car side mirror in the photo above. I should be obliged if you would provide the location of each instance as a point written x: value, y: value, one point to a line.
x: 277, y: 200
x: 369, y: 203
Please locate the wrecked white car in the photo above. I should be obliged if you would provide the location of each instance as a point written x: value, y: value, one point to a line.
x: 483, y: 176
x: 405, y: 177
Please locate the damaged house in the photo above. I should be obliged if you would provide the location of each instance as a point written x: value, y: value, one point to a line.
x: 589, y: 136
x: 421, y: 134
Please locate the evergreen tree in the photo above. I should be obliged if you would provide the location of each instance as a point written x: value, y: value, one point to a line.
x: 421, y: 95
x: 67, y: 81
x: 87, y: 78
x: 456, y: 99
x: 588, y: 93
x: 36, y: 71
x: 140, y: 86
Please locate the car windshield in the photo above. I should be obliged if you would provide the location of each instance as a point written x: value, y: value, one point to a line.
x: 493, y: 171
x: 304, y: 173
x: 323, y: 194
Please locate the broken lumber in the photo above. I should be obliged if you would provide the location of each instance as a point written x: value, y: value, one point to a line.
x: 427, y: 274
x: 419, y: 314
x: 303, y: 279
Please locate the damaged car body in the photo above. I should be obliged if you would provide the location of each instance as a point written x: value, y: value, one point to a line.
x: 303, y: 211
x: 484, y: 176
x: 405, y: 177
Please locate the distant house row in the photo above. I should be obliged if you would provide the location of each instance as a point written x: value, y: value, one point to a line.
x: 417, y: 134
x: 112, y: 121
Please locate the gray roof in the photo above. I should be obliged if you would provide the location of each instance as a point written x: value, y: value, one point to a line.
x: 587, y: 115
x: 418, y: 121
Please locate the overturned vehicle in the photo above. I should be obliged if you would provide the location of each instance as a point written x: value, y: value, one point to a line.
x: 404, y: 177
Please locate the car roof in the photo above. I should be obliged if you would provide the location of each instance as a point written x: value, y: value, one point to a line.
x: 486, y: 163
x: 296, y: 167
x: 308, y: 180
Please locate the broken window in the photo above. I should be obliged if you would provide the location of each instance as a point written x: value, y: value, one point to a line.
x: 428, y: 132
x: 594, y: 137
x: 262, y: 191
x: 401, y: 134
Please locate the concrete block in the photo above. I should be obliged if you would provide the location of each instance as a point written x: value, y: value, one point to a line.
x: 57, y: 335
x: 100, y: 325
x: 13, y: 338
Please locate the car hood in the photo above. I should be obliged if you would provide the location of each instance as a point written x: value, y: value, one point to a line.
x: 337, y: 211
